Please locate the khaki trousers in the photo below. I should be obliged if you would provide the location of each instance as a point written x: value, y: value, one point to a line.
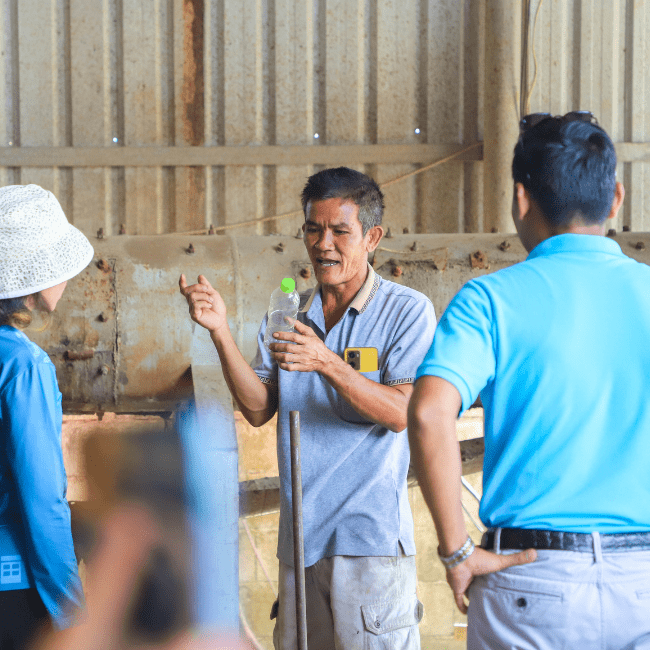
x: 565, y: 600
x: 353, y: 603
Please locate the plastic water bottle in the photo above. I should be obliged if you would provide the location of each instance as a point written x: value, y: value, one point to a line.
x: 284, y: 303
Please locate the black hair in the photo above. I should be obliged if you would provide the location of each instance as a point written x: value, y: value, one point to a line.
x: 14, y: 312
x: 569, y: 169
x: 346, y: 183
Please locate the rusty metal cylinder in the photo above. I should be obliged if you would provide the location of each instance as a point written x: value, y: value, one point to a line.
x: 121, y: 336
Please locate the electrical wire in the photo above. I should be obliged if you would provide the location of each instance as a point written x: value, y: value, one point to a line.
x: 469, y: 514
x: 468, y: 486
x: 250, y: 635
x: 523, y: 75
x: 528, y: 91
x: 259, y: 557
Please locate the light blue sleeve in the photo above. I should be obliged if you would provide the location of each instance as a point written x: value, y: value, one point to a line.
x: 263, y: 365
x: 414, y: 332
x: 33, y: 430
x: 463, y: 349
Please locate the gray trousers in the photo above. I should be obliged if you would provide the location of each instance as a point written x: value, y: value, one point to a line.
x: 353, y: 603
x: 564, y: 600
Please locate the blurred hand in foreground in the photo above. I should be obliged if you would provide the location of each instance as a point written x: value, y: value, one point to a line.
x: 128, y: 534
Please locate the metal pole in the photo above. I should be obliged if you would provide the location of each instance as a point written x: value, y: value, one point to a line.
x: 298, y: 541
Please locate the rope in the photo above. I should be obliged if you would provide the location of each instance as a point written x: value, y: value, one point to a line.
x: 252, y: 222
x: 426, y: 168
x: 294, y: 213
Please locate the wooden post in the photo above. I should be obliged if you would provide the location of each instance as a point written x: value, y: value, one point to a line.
x: 501, y: 120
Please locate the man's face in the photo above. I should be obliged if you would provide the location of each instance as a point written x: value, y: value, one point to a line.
x: 334, y: 240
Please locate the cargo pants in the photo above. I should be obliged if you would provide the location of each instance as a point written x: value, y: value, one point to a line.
x: 353, y: 603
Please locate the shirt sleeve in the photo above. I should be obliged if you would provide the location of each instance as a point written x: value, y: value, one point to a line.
x: 32, y: 412
x: 413, y: 336
x: 263, y: 364
x: 463, y: 349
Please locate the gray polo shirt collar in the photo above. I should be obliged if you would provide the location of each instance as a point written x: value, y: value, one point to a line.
x: 359, y: 304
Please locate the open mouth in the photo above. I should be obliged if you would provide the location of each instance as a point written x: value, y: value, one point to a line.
x: 326, y: 263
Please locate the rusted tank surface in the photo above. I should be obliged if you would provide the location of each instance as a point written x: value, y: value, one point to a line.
x: 121, y: 336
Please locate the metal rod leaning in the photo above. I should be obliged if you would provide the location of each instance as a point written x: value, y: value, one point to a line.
x: 298, y: 540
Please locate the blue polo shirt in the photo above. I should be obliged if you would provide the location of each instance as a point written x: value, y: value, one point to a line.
x: 355, y: 499
x: 558, y: 347
x: 36, y: 548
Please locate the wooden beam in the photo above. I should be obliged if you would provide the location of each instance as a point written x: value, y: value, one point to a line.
x: 155, y: 156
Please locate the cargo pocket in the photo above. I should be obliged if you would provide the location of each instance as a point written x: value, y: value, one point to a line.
x: 393, y: 625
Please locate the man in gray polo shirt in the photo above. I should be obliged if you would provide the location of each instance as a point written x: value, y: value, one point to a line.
x: 358, y: 528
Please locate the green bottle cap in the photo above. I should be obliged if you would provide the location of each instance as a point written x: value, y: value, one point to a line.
x: 288, y: 285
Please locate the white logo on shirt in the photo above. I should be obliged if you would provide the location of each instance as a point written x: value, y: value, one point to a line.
x: 10, y: 569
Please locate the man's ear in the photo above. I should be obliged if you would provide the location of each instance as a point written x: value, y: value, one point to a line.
x: 373, y: 237
x: 619, y: 196
x: 522, y: 199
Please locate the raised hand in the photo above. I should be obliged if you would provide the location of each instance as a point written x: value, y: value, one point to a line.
x: 206, y: 305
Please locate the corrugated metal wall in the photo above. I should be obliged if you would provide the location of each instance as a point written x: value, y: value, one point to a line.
x: 237, y: 101
x: 593, y: 54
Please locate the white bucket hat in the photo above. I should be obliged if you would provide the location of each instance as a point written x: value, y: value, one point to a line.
x: 38, y: 247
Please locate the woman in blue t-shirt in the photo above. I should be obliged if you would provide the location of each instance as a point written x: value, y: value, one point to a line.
x: 39, y: 582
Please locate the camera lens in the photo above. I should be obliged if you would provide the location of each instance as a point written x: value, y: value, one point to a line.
x: 352, y: 355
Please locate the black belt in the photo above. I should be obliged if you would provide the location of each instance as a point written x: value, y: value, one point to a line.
x: 520, y: 539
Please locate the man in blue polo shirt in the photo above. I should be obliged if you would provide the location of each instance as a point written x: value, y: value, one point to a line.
x: 358, y: 528
x: 557, y: 346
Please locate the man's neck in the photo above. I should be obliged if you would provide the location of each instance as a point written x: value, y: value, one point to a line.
x: 593, y: 229
x: 545, y: 231
x: 337, y: 298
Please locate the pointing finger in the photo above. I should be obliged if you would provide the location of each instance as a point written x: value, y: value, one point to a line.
x: 182, y: 283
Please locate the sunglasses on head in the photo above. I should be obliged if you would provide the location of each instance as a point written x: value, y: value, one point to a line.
x: 532, y: 120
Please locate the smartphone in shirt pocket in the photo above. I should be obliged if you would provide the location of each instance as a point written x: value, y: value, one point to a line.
x: 361, y: 359
x: 365, y: 361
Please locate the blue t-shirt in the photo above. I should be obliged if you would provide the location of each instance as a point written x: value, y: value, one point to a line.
x: 558, y: 347
x: 355, y: 499
x: 36, y: 547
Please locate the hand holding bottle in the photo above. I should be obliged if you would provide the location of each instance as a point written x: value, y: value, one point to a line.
x: 283, y: 309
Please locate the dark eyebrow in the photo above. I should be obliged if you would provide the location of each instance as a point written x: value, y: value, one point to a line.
x: 333, y: 226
